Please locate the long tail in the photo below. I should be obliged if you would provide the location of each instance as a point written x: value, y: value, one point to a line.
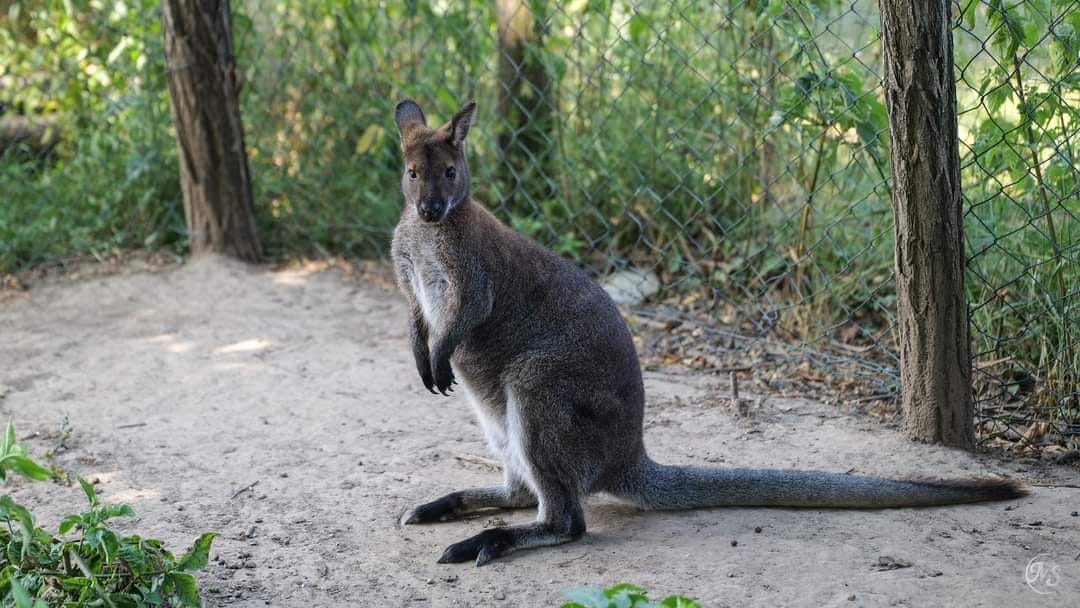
x: 657, y: 486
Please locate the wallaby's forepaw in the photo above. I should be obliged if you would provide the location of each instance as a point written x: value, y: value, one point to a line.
x: 434, y: 511
x: 423, y: 365
x: 427, y: 379
x: 443, y: 375
x: 483, y: 547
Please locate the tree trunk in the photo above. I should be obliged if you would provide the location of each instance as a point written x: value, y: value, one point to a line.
x: 525, y: 106
x: 935, y: 360
x: 209, y: 135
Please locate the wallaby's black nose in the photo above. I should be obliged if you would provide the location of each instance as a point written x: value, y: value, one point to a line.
x: 431, y: 211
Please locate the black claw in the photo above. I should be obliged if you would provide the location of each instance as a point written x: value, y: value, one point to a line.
x: 442, y: 374
x: 484, y: 557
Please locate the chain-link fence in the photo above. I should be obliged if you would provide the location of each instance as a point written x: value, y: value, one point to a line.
x: 727, y: 160
x: 1019, y: 116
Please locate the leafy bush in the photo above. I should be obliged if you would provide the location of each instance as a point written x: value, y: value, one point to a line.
x: 99, y: 566
x: 623, y: 595
x: 96, y: 71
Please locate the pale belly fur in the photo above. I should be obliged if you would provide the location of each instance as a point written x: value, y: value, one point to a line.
x: 505, y: 436
x: 430, y: 287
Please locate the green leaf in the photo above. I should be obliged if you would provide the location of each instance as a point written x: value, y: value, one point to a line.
x: 183, y: 588
x: 10, y: 510
x: 103, y: 513
x: 103, y: 541
x: 22, y: 598
x: 969, y: 14
x: 199, y: 555
x: 94, y: 584
x: 13, y: 17
x: 368, y: 139
x: 152, y: 596
x: 601, y: 7
x: 9, y: 438
x: 591, y: 598
x: 996, y: 97
x: 622, y: 588
x: 806, y: 83
x: 678, y: 601
x: 446, y: 97
x: 120, y: 510
x: 1008, y: 26
x: 91, y: 495
x: 26, y: 467
x: 68, y: 523
x: 639, y: 30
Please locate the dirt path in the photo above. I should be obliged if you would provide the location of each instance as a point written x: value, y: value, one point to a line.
x: 182, y: 388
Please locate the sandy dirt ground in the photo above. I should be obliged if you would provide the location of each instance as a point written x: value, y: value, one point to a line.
x: 281, y: 409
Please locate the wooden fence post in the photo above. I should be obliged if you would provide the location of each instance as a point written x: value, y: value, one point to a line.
x: 935, y: 350
x: 214, y: 175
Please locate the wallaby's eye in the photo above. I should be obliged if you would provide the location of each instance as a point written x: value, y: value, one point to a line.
x: 450, y: 173
x: 412, y: 174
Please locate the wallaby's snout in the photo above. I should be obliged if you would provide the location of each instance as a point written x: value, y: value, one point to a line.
x: 431, y: 210
x: 436, y: 178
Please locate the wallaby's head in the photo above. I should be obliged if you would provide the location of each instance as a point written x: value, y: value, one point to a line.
x: 436, y: 177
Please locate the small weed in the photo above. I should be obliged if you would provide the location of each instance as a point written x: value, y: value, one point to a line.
x: 96, y: 567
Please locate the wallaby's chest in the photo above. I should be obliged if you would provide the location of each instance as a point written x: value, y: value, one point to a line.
x: 429, y: 279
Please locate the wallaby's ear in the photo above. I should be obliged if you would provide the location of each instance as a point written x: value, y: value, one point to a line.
x: 462, y: 121
x: 408, y: 116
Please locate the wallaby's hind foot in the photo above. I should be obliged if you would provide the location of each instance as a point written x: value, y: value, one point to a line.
x: 497, y: 542
x: 562, y: 525
x: 458, y: 504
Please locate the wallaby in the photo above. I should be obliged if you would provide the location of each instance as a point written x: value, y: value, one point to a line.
x: 550, y: 368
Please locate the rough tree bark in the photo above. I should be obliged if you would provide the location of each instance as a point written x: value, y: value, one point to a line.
x: 935, y: 364
x: 525, y: 103
x: 209, y: 134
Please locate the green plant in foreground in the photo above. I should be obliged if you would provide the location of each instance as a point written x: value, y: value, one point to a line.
x: 623, y: 595
x: 99, y: 567
x: 13, y: 458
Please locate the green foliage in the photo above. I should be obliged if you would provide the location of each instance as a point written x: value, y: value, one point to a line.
x: 623, y: 595
x: 96, y: 69
x: 13, y: 458
x: 97, y: 567
x: 1022, y: 185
